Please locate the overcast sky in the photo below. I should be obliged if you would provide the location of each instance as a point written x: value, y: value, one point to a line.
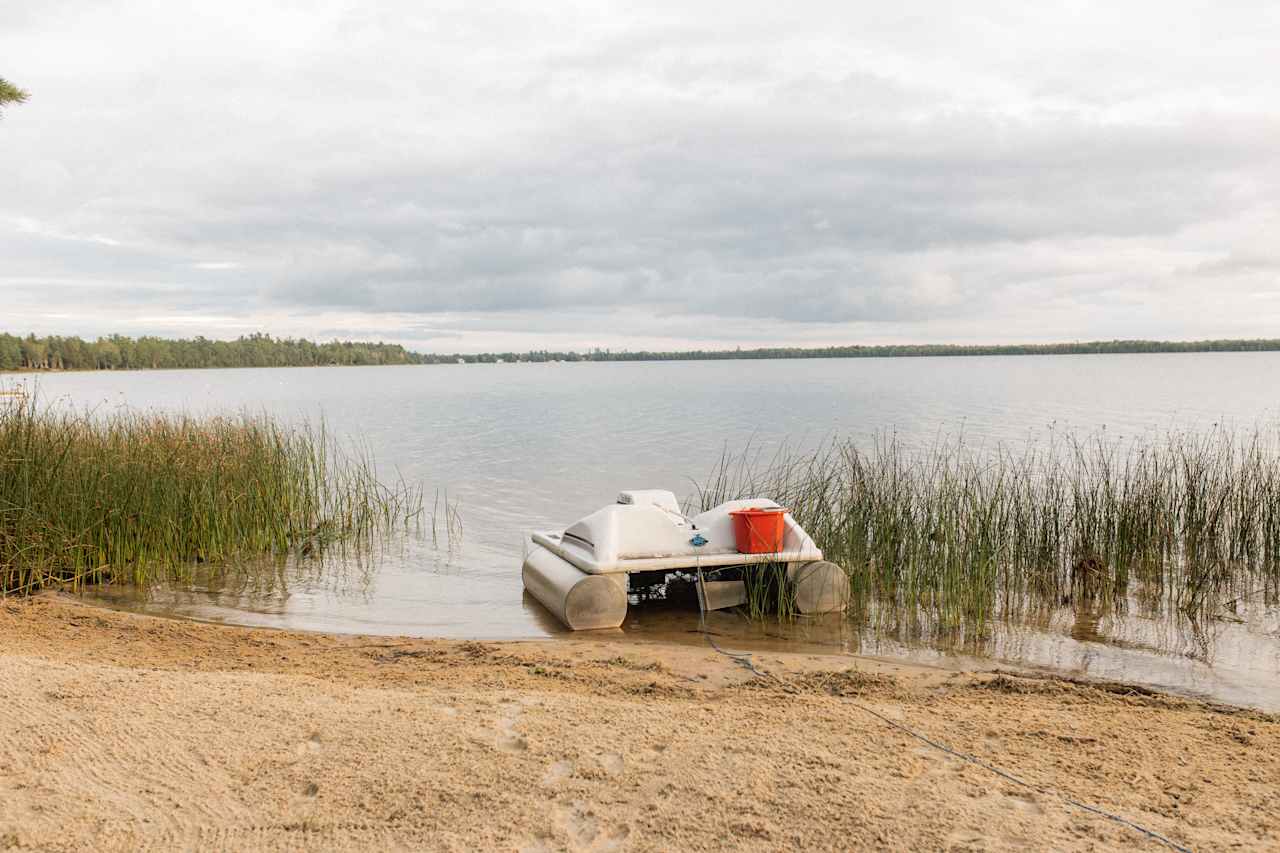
x: 472, y: 176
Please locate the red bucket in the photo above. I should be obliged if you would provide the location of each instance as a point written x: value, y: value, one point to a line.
x: 758, y: 531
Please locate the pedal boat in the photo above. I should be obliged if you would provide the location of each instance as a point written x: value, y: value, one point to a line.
x: 586, y: 574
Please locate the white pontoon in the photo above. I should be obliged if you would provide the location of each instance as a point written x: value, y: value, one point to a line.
x: 586, y: 573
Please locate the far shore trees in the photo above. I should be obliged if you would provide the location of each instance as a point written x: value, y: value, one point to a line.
x: 117, y: 352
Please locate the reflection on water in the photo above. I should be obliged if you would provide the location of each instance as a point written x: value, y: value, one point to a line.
x: 521, y: 447
x: 1233, y: 660
x: 1232, y: 656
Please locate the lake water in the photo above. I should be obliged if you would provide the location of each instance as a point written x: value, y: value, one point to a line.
x: 526, y: 446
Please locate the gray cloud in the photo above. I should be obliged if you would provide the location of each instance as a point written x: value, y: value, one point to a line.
x: 642, y: 175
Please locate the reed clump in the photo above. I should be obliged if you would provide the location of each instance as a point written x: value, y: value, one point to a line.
x: 138, y: 497
x: 969, y: 533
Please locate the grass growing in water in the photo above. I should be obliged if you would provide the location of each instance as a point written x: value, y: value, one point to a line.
x: 969, y: 534
x: 133, y: 497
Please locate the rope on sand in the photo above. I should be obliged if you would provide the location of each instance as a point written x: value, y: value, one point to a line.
x: 978, y: 762
x: 744, y: 659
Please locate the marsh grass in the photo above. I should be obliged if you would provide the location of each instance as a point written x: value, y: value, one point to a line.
x: 769, y: 596
x: 140, y: 497
x: 446, y: 522
x: 967, y: 534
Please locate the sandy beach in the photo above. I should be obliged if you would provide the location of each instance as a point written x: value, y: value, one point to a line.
x: 126, y: 732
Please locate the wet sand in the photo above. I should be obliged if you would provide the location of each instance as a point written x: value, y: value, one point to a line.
x: 120, y: 732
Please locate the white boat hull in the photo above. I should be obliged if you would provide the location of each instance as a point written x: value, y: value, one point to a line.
x: 819, y: 587
x: 581, y: 574
x: 580, y: 601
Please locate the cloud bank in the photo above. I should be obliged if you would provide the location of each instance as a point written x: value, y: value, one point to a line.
x: 577, y: 175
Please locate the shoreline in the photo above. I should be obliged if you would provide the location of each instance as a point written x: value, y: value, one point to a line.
x: 873, y: 352
x: 682, y: 636
x: 121, y: 731
x: 731, y: 357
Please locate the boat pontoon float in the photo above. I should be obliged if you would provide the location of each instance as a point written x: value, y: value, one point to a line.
x: 586, y: 573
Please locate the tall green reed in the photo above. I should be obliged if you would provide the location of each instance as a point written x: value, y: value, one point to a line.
x: 969, y: 533
x: 137, y: 497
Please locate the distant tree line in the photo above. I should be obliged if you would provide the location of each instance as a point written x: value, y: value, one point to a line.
x: 888, y: 351
x: 116, y: 352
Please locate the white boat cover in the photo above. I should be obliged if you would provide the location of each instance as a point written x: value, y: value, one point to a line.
x: 645, y: 531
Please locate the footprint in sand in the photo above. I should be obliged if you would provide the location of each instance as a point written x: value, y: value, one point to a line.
x: 587, y: 832
x: 512, y: 742
x: 538, y: 845
x: 509, y: 740
x: 967, y: 839
x: 310, y: 746
x: 1025, y: 803
x: 557, y: 773
x: 610, y: 762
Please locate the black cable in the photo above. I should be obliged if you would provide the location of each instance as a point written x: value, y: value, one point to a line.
x: 744, y: 659
x: 1014, y: 779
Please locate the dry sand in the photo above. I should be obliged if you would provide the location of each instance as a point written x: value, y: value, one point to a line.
x: 124, y: 732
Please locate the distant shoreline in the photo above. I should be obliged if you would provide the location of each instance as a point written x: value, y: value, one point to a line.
x: 66, y: 354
